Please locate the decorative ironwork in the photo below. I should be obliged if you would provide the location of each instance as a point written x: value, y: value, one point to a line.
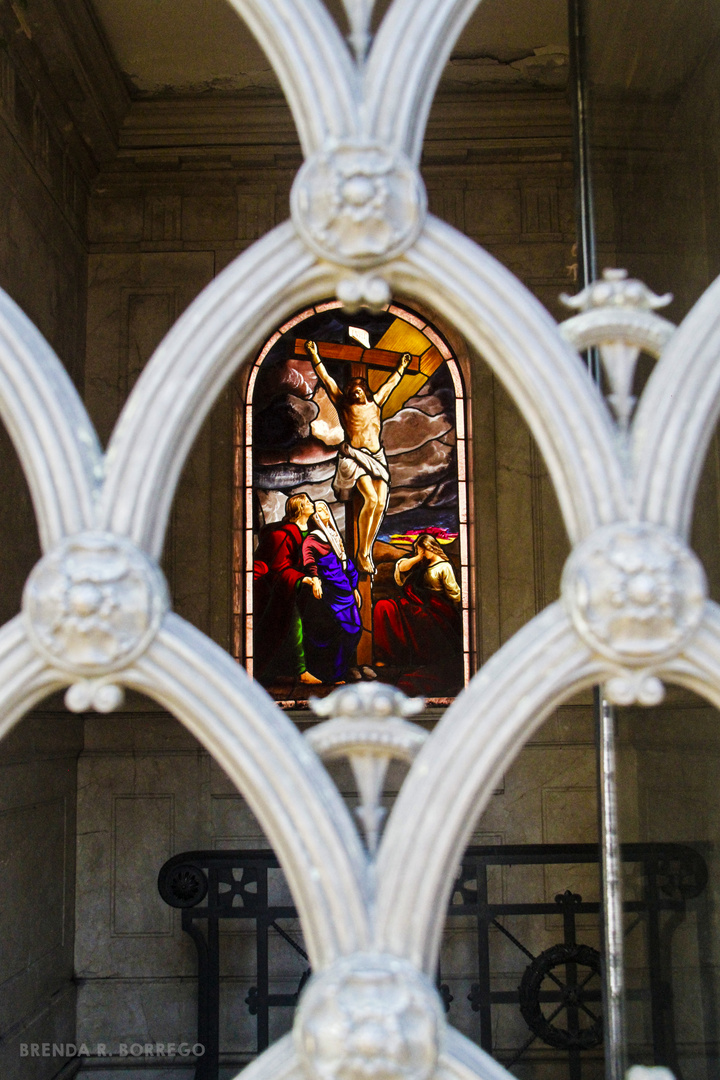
x: 682, y: 874
x: 558, y: 995
x: 564, y: 977
x: 573, y: 996
x: 184, y: 886
x: 209, y: 886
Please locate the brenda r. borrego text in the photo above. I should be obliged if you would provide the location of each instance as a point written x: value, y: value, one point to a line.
x: 123, y: 1050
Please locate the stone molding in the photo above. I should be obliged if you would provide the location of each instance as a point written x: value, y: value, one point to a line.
x: 636, y: 595
x: 223, y: 124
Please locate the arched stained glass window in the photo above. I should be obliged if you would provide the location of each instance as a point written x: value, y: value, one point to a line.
x: 352, y: 517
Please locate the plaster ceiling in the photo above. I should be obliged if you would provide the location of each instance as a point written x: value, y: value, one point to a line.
x: 169, y: 47
x: 190, y: 47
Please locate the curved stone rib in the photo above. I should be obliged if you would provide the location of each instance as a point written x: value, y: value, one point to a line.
x: 698, y: 667
x: 278, y: 1062
x: 232, y: 316
x: 457, y: 769
x: 460, y: 1059
x: 464, y: 1060
x: 676, y: 417
x: 24, y: 677
x: 522, y: 344
x: 188, y: 370
x: 313, y: 64
x: 47, y: 422
x: 283, y: 781
x: 405, y: 63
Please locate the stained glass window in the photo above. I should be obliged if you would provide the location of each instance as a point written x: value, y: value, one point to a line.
x: 352, y: 542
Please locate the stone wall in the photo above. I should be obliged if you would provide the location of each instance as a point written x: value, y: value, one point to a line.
x: 43, y: 268
x: 60, y: 99
x: 133, y: 301
x: 657, y: 193
x: 38, y: 790
x: 674, y: 752
x: 147, y: 790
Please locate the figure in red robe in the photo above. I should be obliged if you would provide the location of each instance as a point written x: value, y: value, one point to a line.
x: 278, y: 576
x: 421, y: 632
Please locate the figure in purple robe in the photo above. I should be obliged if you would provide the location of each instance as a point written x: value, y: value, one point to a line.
x: 331, y: 625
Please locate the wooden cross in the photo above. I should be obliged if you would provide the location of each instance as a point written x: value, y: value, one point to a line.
x: 356, y: 354
x: 360, y: 361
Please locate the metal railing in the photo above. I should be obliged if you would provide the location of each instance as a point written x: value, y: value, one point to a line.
x: 210, y: 886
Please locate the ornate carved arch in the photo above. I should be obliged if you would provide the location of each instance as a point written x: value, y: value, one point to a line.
x: 633, y: 609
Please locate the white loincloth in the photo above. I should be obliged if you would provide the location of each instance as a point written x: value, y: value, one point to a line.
x: 352, y: 464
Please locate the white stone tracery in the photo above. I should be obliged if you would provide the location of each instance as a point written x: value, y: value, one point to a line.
x: 372, y: 925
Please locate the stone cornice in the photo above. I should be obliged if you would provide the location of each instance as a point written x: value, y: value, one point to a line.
x: 253, y: 133
x: 246, y: 130
x: 182, y: 123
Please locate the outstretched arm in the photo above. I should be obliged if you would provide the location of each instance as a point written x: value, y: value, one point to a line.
x: 383, y: 393
x: 333, y: 390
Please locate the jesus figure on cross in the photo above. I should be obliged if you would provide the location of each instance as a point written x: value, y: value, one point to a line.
x: 361, y: 460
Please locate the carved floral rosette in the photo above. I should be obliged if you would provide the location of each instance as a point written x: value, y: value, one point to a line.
x: 369, y: 1017
x: 94, y: 603
x: 635, y: 593
x: 358, y: 204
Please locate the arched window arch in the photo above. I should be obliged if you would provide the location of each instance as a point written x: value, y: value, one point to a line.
x: 417, y: 610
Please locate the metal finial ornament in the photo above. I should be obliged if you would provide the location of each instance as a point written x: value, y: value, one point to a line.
x: 616, y: 313
x: 368, y: 727
x: 616, y: 289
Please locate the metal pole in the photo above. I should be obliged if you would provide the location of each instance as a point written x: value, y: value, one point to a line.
x: 610, y: 860
x: 584, y: 205
x: 611, y: 884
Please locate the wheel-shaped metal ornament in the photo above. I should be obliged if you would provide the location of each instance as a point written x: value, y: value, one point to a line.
x: 682, y: 875
x: 569, y: 995
x: 183, y: 885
